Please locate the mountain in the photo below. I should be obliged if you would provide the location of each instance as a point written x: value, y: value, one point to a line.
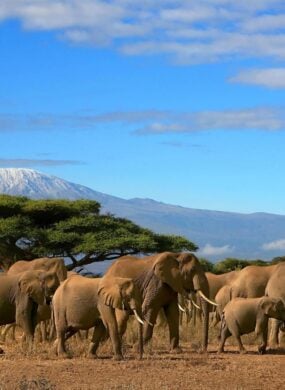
x: 219, y: 234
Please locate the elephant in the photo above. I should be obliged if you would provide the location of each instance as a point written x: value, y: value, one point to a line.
x: 244, y: 315
x: 43, y: 316
x: 252, y: 282
x: 20, y: 296
x: 160, y: 278
x: 55, y: 265
x: 82, y: 303
x: 276, y: 288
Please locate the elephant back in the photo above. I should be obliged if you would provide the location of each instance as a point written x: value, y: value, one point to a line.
x: 276, y: 285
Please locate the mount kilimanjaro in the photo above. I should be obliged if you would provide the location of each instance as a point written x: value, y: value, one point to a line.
x: 219, y: 234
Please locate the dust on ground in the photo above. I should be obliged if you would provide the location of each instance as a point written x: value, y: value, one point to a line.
x: 159, y: 369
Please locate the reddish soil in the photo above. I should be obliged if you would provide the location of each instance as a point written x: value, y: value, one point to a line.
x: 158, y: 370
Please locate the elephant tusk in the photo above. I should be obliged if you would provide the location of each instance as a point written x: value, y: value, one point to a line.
x: 149, y: 323
x: 207, y: 299
x: 138, y: 317
x: 181, y: 308
x: 195, y: 304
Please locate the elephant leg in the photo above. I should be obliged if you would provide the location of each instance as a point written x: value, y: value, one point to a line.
x: 224, y: 334
x: 99, y: 333
x: 42, y: 331
x: 110, y: 322
x: 240, y: 344
x: 62, y: 335
x: 274, y: 331
x: 235, y: 331
x: 264, y: 335
x: 172, y: 316
x: 60, y: 342
x: 122, y: 317
x: 43, y: 327
x: 52, y: 332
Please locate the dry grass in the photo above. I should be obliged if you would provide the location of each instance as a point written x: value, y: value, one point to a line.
x: 159, y: 369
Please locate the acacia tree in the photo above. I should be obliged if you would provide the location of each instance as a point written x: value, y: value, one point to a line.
x: 73, y: 229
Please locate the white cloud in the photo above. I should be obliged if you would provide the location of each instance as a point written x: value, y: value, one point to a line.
x: 211, y: 250
x: 274, y: 245
x: 265, y: 23
x: 28, y: 163
x: 189, y: 31
x: 266, y: 119
x: 271, y: 77
x: 154, y: 122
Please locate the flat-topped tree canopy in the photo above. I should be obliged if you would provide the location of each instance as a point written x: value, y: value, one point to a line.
x: 74, y: 229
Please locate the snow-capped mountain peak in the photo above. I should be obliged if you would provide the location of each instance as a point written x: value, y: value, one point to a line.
x: 37, y: 185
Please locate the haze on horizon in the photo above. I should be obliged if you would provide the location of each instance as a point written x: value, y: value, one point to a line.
x: 177, y: 101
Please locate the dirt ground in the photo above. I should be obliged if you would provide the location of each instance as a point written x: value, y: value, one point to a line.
x: 158, y: 369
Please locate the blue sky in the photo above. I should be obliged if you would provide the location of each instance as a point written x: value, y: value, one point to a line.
x: 179, y: 101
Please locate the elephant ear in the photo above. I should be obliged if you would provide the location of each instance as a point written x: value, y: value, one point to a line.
x: 31, y: 286
x: 51, y: 282
x: 269, y: 305
x: 166, y: 268
x: 110, y: 292
x: 25, y: 287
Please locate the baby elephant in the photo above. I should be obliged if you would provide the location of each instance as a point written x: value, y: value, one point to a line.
x: 82, y: 303
x: 244, y: 315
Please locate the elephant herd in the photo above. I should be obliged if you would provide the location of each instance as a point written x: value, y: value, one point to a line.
x: 41, y: 289
x: 247, y: 299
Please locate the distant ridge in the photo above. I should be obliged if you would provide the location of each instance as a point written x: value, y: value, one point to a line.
x: 219, y: 234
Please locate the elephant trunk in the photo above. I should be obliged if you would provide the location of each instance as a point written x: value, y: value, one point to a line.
x: 201, y: 282
x: 200, y: 292
x: 136, y: 307
x: 198, y: 282
x: 140, y: 331
x: 26, y: 315
x: 205, y: 309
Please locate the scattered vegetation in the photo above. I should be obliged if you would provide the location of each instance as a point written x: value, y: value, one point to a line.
x: 231, y: 264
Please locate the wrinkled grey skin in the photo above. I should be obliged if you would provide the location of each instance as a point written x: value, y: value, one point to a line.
x: 244, y: 315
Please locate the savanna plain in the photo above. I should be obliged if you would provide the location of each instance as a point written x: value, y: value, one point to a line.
x: 159, y: 369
